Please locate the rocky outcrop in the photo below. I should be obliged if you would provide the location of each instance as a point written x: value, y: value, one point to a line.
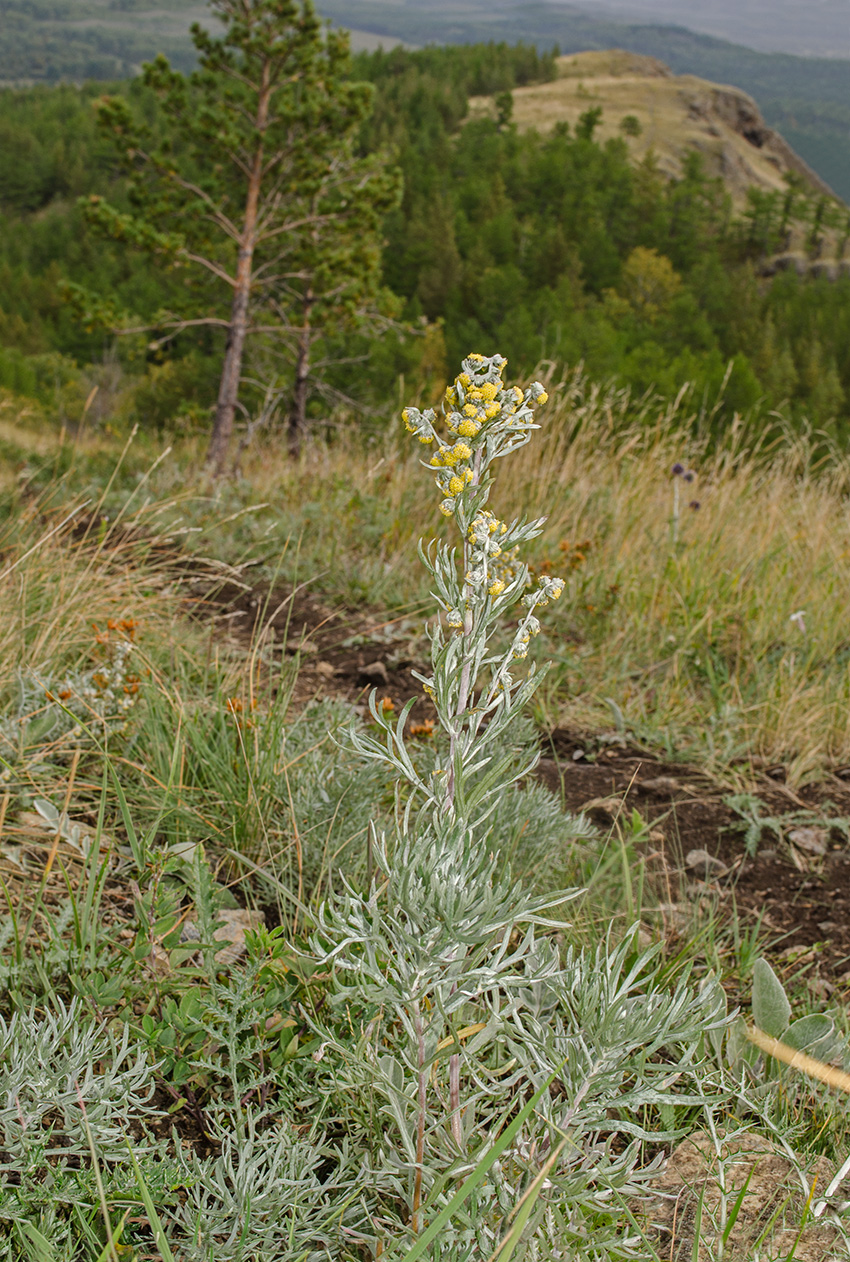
x: 741, y: 115
x: 828, y: 269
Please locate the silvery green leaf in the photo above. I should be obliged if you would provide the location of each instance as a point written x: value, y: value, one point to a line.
x: 815, y: 1034
x: 771, y: 1009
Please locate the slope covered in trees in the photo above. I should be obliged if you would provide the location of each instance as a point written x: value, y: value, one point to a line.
x: 806, y: 98
x: 549, y: 247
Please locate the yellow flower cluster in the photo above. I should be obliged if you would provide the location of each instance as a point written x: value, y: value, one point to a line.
x: 491, y: 568
x: 505, y: 568
x: 476, y: 404
x: 450, y: 456
x: 485, y: 525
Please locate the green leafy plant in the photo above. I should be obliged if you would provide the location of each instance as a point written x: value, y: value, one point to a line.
x: 814, y: 1034
x: 754, y: 823
x: 455, y: 996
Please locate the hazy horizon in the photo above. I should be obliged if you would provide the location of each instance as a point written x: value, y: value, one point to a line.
x: 816, y: 28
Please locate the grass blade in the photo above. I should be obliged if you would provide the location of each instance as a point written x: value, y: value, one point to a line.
x: 483, y: 1165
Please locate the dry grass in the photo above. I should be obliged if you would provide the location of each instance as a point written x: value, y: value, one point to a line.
x: 686, y: 630
x: 65, y: 573
x: 690, y: 637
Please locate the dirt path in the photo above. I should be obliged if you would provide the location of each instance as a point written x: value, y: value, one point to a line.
x: 797, y: 882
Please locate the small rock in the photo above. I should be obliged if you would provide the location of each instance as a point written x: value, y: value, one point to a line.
x: 811, y: 840
x: 325, y: 669
x: 579, y: 755
x: 29, y: 819
x: 827, y: 926
x: 664, y: 784
x: 611, y: 807
x: 231, y: 932
x: 375, y: 673
x: 705, y: 864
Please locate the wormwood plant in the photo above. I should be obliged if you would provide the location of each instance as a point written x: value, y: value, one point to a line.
x: 454, y: 1000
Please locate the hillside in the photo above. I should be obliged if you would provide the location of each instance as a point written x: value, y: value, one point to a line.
x: 424, y: 818
x: 806, y: 98
x: 675, y: 113
x: 49, y: 40
x: 553, y: 245
x: 45, y: 41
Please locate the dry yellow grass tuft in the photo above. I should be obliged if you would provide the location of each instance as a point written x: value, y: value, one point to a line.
x: 65, y: 575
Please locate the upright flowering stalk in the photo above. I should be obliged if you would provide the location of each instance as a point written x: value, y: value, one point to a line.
x: 451, y: 1005
x: 427, y: 950
x: 484, y: 420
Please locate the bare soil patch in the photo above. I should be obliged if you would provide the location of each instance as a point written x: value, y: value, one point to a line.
x: 806, y: 913
x: 802, y: 900
x: 343, y: 653
x: 687, y: 1216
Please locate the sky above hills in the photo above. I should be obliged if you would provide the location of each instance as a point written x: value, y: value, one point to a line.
x: 818, y: 28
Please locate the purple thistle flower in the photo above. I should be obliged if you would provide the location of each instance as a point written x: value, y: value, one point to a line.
x: 678, y: 470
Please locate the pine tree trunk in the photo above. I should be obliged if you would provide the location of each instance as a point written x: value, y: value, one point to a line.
x: 298, y: 411
x: 228, y: 391
x: 231, y: 372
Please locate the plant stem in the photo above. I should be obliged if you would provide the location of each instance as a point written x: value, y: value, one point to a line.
x: 466, y: 669
x: 420, y: 1123
x: 454, y: 1096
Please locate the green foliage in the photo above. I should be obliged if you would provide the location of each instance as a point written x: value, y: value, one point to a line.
x: 527, y: 241
x: 805, y: 97
x: 416, y: 1056
x: 54, y: 40
x: 814, y: 1034
x: 255, y: 188
x: 771, y: 1009
x: 754, y: 822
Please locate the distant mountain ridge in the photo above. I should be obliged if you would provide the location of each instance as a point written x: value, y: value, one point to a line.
x: 816, y: 28
x: 806, y: 99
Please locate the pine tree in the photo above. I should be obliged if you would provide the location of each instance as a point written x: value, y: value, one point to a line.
x: 256, y: 169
